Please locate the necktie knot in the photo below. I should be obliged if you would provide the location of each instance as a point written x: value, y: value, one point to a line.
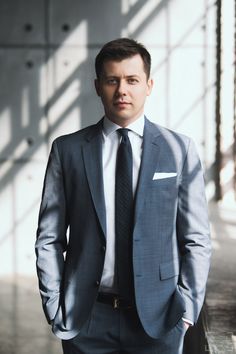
x: 123, y: 132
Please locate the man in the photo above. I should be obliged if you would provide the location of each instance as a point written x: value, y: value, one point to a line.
x: 131, y: 276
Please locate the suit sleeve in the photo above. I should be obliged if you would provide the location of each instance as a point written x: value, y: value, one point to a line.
x: 51, y: 235
x: 193, y: 234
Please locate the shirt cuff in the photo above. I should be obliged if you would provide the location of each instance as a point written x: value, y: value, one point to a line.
x: 188, y: 321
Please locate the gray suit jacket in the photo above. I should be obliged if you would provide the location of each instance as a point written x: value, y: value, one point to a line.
x: 171, y: 243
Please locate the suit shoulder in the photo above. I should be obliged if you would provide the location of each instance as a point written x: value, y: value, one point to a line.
x: 78, y: 137
x: 177, y: 144
x: 171, y: 134
x: 174, y: 139
x: 68, y: 138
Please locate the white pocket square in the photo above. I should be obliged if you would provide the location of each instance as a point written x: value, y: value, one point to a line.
x: 161, y: 175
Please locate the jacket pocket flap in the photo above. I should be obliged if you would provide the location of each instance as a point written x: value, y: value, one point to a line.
x: 169, y: 269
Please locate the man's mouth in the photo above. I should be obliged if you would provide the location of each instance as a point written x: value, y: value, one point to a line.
x: 121, y: 103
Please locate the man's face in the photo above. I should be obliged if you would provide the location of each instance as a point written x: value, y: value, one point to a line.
x: 123, y: 88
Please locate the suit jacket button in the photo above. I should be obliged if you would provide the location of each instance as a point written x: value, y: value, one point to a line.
x: 97, y: 283
x: 103, y: 249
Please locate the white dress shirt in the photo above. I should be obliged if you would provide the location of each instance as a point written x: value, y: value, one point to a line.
x: 111, y: 141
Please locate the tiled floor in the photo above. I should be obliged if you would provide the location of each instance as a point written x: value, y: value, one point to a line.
x: 221, y: 290
x: 23, y: 328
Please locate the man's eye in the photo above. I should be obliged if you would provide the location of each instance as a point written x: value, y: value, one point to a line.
x: 132, y: 81
x: 112, y: 81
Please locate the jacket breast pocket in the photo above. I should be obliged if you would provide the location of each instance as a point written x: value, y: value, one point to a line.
x: 165, y: 183
x: 169, y: 269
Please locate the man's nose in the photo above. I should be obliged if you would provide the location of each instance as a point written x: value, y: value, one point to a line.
x: 122, y: 88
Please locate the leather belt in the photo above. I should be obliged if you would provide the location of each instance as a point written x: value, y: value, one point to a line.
x: 114, y: 300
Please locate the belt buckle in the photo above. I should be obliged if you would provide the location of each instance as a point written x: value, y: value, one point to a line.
x: 116, y: 302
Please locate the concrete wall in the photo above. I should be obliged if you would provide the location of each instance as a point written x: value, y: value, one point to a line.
x: 47, y: 51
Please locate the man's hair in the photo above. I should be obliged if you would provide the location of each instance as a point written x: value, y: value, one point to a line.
x: 120, y: 49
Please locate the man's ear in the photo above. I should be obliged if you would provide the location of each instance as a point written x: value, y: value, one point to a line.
x: 150, y: 86
x: 97, y: 86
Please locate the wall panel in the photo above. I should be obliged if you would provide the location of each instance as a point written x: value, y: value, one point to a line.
x: 22, y: 83
x: 22, y: 22
x: 81, y: 22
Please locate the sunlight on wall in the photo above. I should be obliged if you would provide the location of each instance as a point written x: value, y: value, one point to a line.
x: 227, y: 99
x: 62, y: 107
x: 234, y: 341
x: 5, y: 126
x: 25, y: 114
x: 146, y: 10
x: 59, y: 77
x: 19, y: 209
x: 126, y: 5
x: 81, y: 31
x: 63, y: 71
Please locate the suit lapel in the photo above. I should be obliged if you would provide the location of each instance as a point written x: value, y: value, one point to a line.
x: 149, y: 162
x: 92, y: 154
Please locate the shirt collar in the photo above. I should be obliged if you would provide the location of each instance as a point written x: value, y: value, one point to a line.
x: 137, y: 126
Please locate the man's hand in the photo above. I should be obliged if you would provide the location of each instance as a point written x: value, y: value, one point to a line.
x: 186, y: 324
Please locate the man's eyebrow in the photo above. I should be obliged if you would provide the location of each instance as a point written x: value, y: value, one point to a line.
x: 117, y: 77
x: 104, y: 76
x: 133, y: 75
